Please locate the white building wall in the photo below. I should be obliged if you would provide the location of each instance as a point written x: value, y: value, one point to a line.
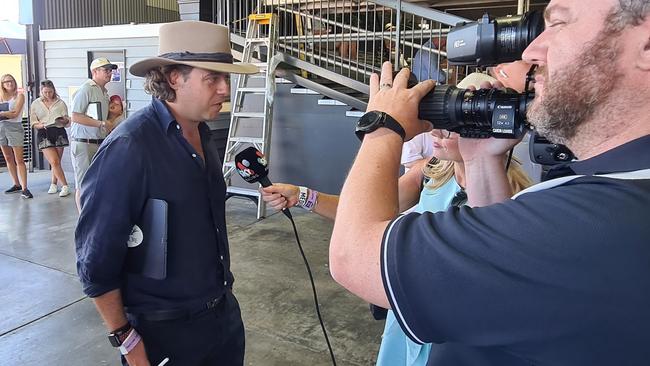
x: 66, y: 61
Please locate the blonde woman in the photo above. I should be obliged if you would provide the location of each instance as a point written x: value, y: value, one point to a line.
x: 49, y: 116
x: 431, y: 186
x: 12, y: 134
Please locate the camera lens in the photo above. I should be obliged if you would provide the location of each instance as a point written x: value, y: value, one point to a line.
x: 514, y: 34
x: 480, y: 113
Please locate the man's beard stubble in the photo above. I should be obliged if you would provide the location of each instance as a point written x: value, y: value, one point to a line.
x: 574, y: 93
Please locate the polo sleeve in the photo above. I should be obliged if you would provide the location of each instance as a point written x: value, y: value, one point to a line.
x: 81, y: 100
x: 112, y: 198
x: 522, y: 269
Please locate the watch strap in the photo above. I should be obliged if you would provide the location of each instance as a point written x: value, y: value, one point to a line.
x: 384, y: 120
x: 118, y: 336
x: 392, y: 124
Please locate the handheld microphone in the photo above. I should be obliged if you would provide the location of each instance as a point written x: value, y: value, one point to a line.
x: 252, y: 166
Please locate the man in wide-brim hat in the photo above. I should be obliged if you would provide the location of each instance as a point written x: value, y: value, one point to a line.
x: 152, y: 248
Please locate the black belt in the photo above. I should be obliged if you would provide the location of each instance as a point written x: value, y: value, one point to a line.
x: 178, y: 314
x: 88, y: 141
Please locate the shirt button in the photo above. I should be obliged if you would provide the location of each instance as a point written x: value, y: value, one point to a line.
x: 193, y: 155
x: 225, y: 283
x: 221, y: 257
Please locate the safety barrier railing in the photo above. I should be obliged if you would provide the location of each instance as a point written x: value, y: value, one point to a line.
x: 352, y: 38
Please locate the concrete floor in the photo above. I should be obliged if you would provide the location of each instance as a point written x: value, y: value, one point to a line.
x: 46, y: 320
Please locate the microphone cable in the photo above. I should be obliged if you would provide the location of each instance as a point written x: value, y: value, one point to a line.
x: 313, y: 286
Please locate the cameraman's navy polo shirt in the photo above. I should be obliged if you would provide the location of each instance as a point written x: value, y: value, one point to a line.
x: 148, y: 157
x: 555, y: 277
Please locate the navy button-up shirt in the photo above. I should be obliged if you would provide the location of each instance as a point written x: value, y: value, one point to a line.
x: 555, y: 277
x: 147, y: 157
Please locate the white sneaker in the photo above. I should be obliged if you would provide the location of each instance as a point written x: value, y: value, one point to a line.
x: 52, y: 189
x: 65, y: 190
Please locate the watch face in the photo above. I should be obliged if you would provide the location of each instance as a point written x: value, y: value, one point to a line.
x: 367, y: 120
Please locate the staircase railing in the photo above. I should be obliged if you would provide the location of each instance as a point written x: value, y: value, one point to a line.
x: 347, y: 40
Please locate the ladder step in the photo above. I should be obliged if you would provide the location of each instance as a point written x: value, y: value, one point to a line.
x: 243, y: 191
x: 250, y: 140
x: 261, y: 65
x: 249, y: 114
x: 252, y: 90
x: 258, y: 40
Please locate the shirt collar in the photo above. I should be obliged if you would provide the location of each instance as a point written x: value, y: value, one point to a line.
x: 633, y: 155
x: 93, y: 83
x: 166, y: 118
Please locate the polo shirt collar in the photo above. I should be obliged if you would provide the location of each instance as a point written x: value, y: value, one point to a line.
x: 633, y: 155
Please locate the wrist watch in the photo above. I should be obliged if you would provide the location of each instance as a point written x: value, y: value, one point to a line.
x: 118, y: 336
x: 373, y: 120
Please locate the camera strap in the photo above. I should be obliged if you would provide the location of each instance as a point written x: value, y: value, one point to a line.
x: 635, y: 174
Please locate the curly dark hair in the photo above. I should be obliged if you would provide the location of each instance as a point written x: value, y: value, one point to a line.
x: 156, y: 81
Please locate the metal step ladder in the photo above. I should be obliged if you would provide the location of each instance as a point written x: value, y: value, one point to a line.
x: 250, y: 122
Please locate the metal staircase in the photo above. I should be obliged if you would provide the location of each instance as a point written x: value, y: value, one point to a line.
x: 250, y: 123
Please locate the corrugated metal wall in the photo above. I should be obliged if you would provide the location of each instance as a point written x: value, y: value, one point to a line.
x: 95, y: 13
x: 72, y: 13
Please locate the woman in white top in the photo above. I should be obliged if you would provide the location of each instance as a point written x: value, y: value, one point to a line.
x: 49, y: 116
x: 12, y: 134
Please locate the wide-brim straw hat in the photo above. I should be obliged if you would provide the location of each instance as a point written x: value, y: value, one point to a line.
x: 194, y: 43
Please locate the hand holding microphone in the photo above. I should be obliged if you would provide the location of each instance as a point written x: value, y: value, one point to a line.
x: 280, y: 195
x: 252, y: 166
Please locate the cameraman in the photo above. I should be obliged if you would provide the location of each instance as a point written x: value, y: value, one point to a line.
x: 559, y: 276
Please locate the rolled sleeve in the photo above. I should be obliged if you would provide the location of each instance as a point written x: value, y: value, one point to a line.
x: 112, y: 198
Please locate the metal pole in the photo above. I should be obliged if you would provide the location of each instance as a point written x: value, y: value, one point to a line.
x: 523, y: 6
x: 398, y: 26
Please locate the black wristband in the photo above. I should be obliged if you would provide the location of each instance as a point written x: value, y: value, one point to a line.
x: 118, y: 336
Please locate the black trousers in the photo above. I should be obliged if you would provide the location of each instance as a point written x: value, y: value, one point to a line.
x: 214, y: 337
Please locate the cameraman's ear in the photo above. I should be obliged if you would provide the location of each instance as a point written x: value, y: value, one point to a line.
x: 643, y: 61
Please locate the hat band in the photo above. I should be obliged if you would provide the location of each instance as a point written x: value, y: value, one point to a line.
x: 222, y: 57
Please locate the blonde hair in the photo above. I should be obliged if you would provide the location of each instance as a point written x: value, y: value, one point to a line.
x: 4, y: 94
x: 441, y: 171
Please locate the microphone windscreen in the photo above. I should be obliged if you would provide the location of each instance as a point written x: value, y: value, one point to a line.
x: 251, y: 165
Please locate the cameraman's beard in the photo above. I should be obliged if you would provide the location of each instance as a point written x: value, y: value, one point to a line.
x: 574, y: 93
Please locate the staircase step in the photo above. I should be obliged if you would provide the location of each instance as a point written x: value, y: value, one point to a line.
x: 329, y: 101
x: 355, y: 114
x: 301, y: 90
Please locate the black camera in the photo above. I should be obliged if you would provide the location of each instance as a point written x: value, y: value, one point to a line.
x: 478, y: 113
x: 493, y: 41
x: 485, y: 113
